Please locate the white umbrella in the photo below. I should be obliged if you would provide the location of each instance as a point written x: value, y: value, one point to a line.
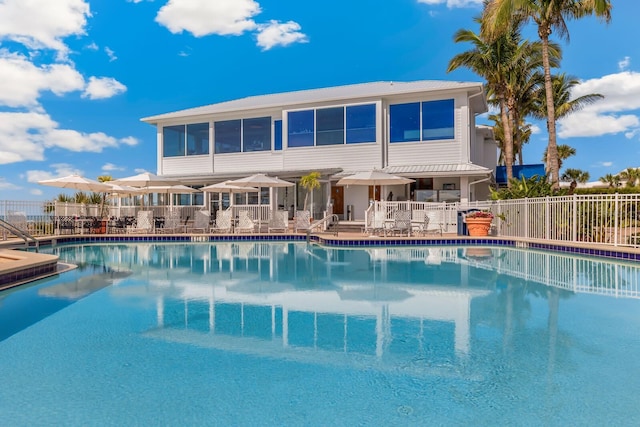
x: 170, y: 189
x: 374, y: 177
x: 76, y: 182
x: 228, y: 187
x: 145, y: 179
x: 122, y: 189
x: 261, y: 180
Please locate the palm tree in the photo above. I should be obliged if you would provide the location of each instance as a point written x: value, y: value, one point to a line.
x: 631, y: 175
x: 548, y: 15
x: 575, y: 176
x: 564, y: 152
x: 612, y: 180
x: 310, y: 182
x: 491, y: 59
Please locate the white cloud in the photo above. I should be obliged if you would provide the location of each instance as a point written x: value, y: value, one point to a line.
x: 453, y: 3
x: 624, y: 64
x: 616, y: 113
x: 59, y: 170
x: 130, y: 140
x: 279, y: 34
x: 92, y: 46
x: 204, y: 17
x: 4, y: 185
x: 110, y: 167
x: 42, y: 24
x: 111, y: 54
x: 36, y: 192
x: 26, y: 136
x: 21, y: 82
x: 103, y: 87
x: 535, y: 129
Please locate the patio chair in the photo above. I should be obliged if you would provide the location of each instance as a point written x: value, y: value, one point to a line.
x: 144, y: 222
x: 401, y: 223
x: 201, y: 222
x: 223, y: 222
x: 279, y: 222
x: 434, y: 222
x: 171, y: 223
x: 419, y: 221
x: 245, y: 223
x: 302, y: 221
x: 65, y: 225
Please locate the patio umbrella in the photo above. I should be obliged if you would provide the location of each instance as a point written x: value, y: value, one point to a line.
x: 374, y: 177
x: 76, y: 182
x: 123, y: 190
x: 144, y: 180
x: 170, y: 189
x: 261, y: 180
x: 227, y: 187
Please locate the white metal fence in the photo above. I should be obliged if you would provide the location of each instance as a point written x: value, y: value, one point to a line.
x: 610, y: 219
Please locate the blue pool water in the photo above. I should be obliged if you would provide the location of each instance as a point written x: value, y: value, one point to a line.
x: 290, y: 334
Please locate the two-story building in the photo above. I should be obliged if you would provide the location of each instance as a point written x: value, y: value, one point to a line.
x: 424, y: 130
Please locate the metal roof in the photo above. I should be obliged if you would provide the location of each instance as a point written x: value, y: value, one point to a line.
x: 455, y: 169
x: 335, y: 93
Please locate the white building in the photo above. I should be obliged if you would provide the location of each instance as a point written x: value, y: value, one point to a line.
x: 424, y: 130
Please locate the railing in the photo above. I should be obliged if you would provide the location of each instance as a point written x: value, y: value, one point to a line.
x: 610, y: 219
x: 325, y: 222
x: 7, y: 226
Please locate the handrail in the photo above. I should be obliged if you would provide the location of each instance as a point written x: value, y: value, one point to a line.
x: 325, y: 220
x: 20, y: 233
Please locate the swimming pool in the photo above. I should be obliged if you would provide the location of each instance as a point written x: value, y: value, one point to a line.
x: 290, y: 334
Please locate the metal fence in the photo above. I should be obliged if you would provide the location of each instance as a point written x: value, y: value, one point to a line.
x: 609, y: 219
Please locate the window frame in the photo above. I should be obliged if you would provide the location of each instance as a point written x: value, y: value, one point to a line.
x: 421, y: 119
x: 183, y: 134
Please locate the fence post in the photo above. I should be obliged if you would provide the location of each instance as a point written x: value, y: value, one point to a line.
x: 615, y: 220
x: 574, y: 219
x: 547, y: 218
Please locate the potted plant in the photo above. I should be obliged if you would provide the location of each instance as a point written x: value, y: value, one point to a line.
x: 478, y: 223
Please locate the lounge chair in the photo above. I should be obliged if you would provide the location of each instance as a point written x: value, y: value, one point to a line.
x: 144, y: 222
x: 245, y: 223
x: 434, y: 222
x: 223, y: 223
x: 201, y: 222
x: 279, y: 222
x: 171, y: 223
x: 401, y: 223
x: 302, y: 221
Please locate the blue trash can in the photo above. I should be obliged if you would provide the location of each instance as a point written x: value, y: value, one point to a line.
x: 462, y: 226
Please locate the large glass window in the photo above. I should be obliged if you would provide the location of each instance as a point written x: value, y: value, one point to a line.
x: 361, y: 123
x: 405, y: 122
x: 301, y: 128
x: 228, y: 136
x: 437, y: 120
x: 173, y: 141
x: 422, y: 121
x: 277, y: 135
x: 330, y: 126
x: 256, y: 134
x: 197, y: 139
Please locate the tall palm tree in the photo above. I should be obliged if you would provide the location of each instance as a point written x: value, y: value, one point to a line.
x: 549, y: 16
x: 310, y: 182
x: 491, y: 59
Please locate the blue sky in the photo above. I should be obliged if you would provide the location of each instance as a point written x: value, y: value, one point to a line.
x: 76, y: 76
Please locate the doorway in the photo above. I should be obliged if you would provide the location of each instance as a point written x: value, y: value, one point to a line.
x: 337, y: 198
x: 374, y: 192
